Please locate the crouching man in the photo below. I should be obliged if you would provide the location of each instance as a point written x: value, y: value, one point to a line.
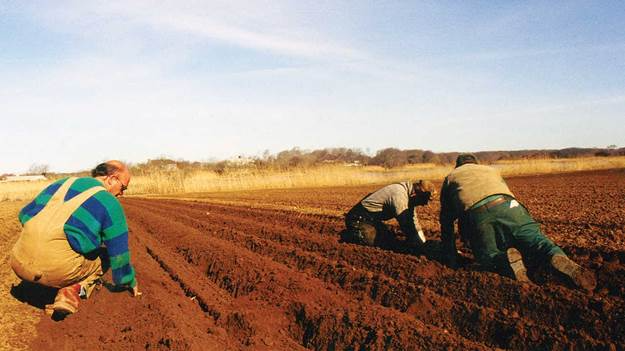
x: 63, y: 230
x: 498, y: 228
x: 364, y: 221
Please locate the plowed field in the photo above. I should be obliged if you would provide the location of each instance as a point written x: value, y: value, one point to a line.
x: 264, y: 270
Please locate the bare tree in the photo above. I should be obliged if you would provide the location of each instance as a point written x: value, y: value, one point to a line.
x: 37, y: 168
x: 389, y: 158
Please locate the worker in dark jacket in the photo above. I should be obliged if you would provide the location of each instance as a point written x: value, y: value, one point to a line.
x: 364, y: 221
x: 498, y: 229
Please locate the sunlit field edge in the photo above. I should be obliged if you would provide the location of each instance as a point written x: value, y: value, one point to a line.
x: 160, y: 182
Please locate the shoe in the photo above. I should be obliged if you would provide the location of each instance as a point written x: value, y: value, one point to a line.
x: 516, y: 264
x: 66, y: 300
x: 87, y: 289
x: 581, y: 277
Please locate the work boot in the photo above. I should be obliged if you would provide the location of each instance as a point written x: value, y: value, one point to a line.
x: 66, y: 301
x: 86, y: 289
x: 581, y: 277
x: 516, y: 264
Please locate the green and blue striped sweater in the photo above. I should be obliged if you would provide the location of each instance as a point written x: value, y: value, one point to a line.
x: 99, y: 220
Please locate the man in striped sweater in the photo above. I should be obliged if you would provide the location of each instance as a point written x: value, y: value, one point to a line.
x: 64, y: 229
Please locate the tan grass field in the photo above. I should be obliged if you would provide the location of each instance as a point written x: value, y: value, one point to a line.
x: 339, y: 175
x: 180, y: 182
x: 19, y: 191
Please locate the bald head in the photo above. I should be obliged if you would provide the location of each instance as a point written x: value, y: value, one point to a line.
x: 117, y: 164
x: 108, y: 168
x: 114, y: 175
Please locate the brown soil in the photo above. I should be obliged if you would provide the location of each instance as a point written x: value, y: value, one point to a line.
x: 17, y: 320
x: 228, y: 272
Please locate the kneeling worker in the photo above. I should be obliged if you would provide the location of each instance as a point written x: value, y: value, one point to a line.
x: 63, y: 230
x: 364, y: 221
x: 500, y: 231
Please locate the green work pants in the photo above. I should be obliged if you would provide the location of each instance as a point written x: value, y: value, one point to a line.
x: 491, y: 231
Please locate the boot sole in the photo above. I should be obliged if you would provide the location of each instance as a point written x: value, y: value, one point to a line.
x: 516, y: 264
x: 64, y: 308
x: 580, y: 276
x: 564, y: 265
x: 585, y: 279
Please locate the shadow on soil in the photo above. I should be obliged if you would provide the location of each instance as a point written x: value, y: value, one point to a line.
x: 34, y: 294
x: 39, y: 296
x: 396, y: 243
x: 539, y: 272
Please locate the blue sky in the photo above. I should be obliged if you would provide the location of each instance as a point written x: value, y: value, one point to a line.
x: 82, y: 82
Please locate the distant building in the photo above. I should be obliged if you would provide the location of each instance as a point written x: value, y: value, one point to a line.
x: 23, y: 178
x: 354, y: 164
x: 171, y: 167
x: 340, y: 162
x: 240, y: 161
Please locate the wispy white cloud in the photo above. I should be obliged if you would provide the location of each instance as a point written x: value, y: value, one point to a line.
x: 536, y: 52
x: 118, y: 27
x: 262, y: 41
x: 245, y: 24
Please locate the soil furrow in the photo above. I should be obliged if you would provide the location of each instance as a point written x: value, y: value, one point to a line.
x: 249, y: 276
x: 403, y: 295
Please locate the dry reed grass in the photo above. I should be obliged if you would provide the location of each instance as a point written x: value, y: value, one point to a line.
x: 338, y: 175
x: 179, y: 182
x: 245, y: 179
x: 544, y: 166
x: 16, y: 191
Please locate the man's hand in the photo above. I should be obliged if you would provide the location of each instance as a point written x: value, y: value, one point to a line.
x: 422, y: 238
x: 136, y: 292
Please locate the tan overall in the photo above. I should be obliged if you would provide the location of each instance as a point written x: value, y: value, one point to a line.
x: 42, y: 253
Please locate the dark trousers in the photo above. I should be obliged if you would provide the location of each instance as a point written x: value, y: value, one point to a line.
x: 491, y: 231
x: 363, y: 229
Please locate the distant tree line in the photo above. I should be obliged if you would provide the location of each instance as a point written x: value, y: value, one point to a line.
x: 388, y: 158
